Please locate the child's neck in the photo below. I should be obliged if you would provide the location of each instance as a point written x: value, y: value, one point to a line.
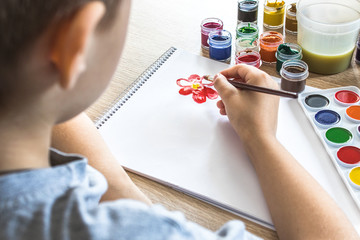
x: 24, y: 144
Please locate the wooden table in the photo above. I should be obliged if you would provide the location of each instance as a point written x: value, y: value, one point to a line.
x: 154, y: 27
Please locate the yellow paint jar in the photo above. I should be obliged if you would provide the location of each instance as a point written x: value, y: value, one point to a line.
x: 274, y: 12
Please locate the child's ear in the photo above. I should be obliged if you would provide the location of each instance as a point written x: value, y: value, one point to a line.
x: 70, y: 42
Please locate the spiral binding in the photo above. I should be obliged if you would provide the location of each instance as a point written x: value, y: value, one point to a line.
x: 122, y: 99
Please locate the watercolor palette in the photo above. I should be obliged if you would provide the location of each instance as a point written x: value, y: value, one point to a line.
x: 335, y: 115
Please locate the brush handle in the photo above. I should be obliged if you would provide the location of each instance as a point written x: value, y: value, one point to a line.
x: 255, y: 88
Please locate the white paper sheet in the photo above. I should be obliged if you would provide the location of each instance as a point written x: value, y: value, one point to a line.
x: 169, y: 138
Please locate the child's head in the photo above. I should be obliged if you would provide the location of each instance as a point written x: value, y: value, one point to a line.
x: 57, y: 56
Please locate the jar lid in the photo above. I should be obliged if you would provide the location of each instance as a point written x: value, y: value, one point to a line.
x: 291, y: 11
x: 221, y: 37
x: 294, y: 69
x: 287, y: 51
x: 271, y: 38
x: 248, y: 5
x: 211, y: 24
x: 247, y: 30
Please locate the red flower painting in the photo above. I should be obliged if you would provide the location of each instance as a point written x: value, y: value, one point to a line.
x: 194, y: 85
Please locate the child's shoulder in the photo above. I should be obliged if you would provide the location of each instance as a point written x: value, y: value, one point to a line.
x: 65, y: 201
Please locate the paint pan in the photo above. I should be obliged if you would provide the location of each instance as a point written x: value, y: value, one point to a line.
x: 327, y: 118
x: 354, y: 177
x: 346, y: 97
x: 315, y: 102
x: 335, y: 116
x: 338, y: 136
x: 353, y: 113
x: 348, y: 156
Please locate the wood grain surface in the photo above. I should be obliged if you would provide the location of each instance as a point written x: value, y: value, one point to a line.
x: 155, y: 26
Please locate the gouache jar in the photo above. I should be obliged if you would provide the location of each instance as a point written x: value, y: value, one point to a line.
x: 285, y: 52
x: 251, y: 58
x: 248, y: 10
x: 247, y: 30
x: 294, y: 73
x: 357, y: 55
x: 220, y: 45
x: 274, y: 12
x: 243, y: 45
x: 269, y: 42
x: 247, y: 37
x: 327, y: 33
x: 290, y: 19
x: 208, y: 25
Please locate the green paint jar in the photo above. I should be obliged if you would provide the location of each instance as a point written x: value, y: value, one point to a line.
x: 247, y: 30
x: 287, y: 51
x: 338, y: 136
x: 247, y: 35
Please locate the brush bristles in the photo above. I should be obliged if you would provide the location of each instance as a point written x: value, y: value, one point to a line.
x: 209, y: 78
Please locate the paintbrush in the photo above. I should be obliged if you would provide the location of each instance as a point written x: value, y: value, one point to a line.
x: 255, y: 88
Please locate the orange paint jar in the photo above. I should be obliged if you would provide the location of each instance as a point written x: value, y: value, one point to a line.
x: 269, y: 42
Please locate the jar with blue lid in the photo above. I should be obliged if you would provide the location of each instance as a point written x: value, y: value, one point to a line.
x: 220, y: 45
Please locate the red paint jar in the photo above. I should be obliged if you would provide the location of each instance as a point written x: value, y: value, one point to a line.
x: 251, y: 58
x: 208, y: 25
x: 269, y: 42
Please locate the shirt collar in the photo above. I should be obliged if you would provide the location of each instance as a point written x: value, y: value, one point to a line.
x: 67, y: 170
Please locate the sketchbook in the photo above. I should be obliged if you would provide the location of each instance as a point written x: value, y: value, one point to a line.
x: 158, y: 133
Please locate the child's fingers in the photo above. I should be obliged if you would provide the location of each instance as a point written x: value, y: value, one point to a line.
x: 239, y: 72
x: 223, y: 111
x: 223, y: 86
x: 243, y: 72
x: 221, y: 106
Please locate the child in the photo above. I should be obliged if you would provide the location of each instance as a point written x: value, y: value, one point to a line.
x: 56, y: 59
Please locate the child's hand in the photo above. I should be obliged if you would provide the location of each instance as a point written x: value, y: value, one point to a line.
x: 252, y: 114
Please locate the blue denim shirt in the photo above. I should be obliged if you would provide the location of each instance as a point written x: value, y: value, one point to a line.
x: 62, y: 202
